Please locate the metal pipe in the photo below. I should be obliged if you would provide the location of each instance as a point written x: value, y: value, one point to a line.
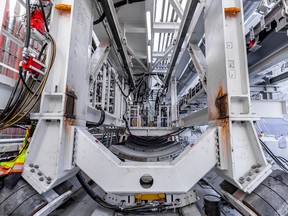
x: 13, y: 140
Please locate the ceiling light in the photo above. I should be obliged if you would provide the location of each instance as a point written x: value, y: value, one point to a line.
x: 149, y: 30
x: 149, y: 53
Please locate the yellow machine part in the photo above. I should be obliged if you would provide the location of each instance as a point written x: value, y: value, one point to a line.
x: 151, y: 197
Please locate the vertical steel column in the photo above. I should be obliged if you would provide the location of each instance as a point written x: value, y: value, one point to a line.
x: 108, y: 90
x: 241, y: 160
x: 174, y: 110
x: 103, y: 98
x: 64, y: 100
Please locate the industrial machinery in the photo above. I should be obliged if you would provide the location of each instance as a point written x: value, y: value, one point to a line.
x: 144, y: 99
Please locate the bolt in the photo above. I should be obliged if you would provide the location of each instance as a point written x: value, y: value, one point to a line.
x: 248, y: 179
x: 241, y: 178
x: 36, y: 166
x: 49, y: 178
x: 41, y: 179
x: 39, y: 173
x: 48, y: 182
x: 257, y: 170
x: 258, y: 166
x: 254, y: 167
x: 32, y: 170
x: 31, y: 165
x: 241, y: 182
x: 250, y: 173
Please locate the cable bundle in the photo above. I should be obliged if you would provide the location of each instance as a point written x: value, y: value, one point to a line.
x: 274, y: 157
x: 23, y: 99
x: 138, y: 210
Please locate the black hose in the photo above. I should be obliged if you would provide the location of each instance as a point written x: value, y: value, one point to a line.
x: 43, y: 14
x: 11, y: 98
x: 138, y: 210
x: 28, y: 30
x: 101, y: 18
x: 272, y: 155
x: 26, y: 44
x: 101, y: 120
x: 42, y: 51
x: 23, y: 80
x: 122, y: 90
x: 86, y: 186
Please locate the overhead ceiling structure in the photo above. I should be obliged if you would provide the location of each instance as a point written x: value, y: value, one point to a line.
x: 157, y: 33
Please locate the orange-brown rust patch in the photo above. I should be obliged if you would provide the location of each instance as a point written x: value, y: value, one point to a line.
x: 224, y: 139
x: 224, y: 129
x: 218, y: 105
x: 68, y: 122
x: 221, y: 104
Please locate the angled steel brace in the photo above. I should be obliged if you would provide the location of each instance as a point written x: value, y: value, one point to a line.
x: 177, y: 7
x: 168, y: 177
x: 108, y: 8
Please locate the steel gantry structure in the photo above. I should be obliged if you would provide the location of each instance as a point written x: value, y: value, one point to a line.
x: 124, y: 68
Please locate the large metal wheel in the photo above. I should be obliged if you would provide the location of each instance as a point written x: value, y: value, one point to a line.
x: 21, y: 200
x: 270, y: 198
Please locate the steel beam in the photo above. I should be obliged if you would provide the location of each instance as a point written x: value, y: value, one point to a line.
x: 93, y: 116
x: 229, y: 103
x: 183, y: 29
x: 151, y: 131
x: 276, y: 80
x: 51, y: 146
x: 269, y: 61
x: 6, y: 86
x: 134, y: 29
x: 131, y: 51
x: 159, y: 54
x: 199, y: 62
x: 177, y: 8
x: 166, y: 53
x: 190, y: 36
x: 97, y: 59
x: 111, y: 16
x: 279, y: 111
x: 10, y: 146
x: 197, y: 118
x: 168, y: 177
x: 174, y: 107
x: 161, y: 27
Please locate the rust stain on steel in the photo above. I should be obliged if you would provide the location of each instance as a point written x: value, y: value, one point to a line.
x: 219, y: 114
x: 68, y: 122
x: 218, y: 105
x: 221, y: 104
x: 224, y: 133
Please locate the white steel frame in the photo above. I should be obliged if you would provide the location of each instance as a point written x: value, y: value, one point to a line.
x: 61, y: 145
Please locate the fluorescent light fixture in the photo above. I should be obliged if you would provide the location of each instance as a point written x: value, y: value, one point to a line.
x: 149, y: 53
x: 149, y: 30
